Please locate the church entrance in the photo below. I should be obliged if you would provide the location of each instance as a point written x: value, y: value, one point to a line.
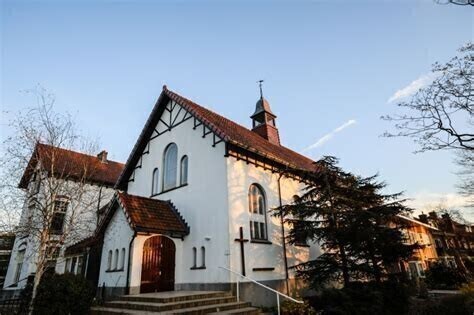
x: 158, y: 265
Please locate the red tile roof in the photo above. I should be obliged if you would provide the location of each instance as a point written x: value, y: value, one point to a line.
x: 241, y: 136
x: 73, y: 165
x: 153, y: 215
x: 225, y: 128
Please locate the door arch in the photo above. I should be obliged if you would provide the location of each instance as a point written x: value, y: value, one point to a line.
x: 158, y: 265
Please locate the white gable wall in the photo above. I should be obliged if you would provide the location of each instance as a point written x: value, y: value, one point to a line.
x: 257, y: 255
x: 118, y: 235
x: 202, y: 203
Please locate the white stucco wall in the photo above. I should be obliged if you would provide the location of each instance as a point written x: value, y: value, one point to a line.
x: 202, y: 203
x: 118, y: 235
x: 83, y: 226
x: 240, y: 176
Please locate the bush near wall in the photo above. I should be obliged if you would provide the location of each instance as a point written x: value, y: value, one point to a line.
x: 65, y: 294
x: 443, y: 277
x: 363, y: 298
x: 459, y: 304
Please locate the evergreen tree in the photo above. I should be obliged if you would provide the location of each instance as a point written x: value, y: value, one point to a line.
x: 352, y: 220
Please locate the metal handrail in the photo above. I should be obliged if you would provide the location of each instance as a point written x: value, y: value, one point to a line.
x: 263, y: 286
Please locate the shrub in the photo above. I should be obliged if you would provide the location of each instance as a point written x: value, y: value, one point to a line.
x: 292, y: 308
x: 63, y: 295
x: 364, y: 298
x: 441, y: 276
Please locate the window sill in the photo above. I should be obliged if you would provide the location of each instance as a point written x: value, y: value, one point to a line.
x: 168, y: 190
x: 263, y: 269
x: 302, y: 245
x: 198, y: 268
x: 115, y: 270
x: 257, y: 241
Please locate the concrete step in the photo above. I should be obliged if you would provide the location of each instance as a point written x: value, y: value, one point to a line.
x: 161, y: 307
x: 241, y: 311
x: 174, y: 296
x: 219, y: 308
x: 116, y: 311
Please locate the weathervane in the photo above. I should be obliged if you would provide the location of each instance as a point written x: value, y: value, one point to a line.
x: 260, y: 86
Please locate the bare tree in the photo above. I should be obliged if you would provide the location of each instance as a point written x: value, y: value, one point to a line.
x: 457, y: 2
x: 57, y: 204
x: 465, y: 161
x: 441, y: 115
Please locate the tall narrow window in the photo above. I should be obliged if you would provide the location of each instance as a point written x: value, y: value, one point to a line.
x: 19, y: 265
x: 116, y: 258
x: 257, y: 209
x: 203, y: 257
x: 59, y: 213
x: 109, y: 261
x: 194, y: 257
x: 170, y: 166
x: 122, y: 261
x: 184, y: 170
x: 155, y: 181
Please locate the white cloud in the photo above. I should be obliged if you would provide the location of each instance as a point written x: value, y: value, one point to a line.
x: 428, y: 201
x: 328, y: 136
x: 413, y: 87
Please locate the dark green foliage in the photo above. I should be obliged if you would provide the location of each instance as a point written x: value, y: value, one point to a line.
x: 441, y: 276
x: 63, y: 295
x: 292, y: 308
x: 459, y: 304
x: 354, y: 223
x: 363, y: 298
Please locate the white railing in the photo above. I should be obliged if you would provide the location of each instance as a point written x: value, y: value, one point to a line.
x: 263, y: 286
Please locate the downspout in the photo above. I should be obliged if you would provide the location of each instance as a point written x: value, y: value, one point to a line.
x: 283, y: 235
x: 130, y: 261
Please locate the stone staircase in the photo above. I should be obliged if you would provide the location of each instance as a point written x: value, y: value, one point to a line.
x: 176, y: 302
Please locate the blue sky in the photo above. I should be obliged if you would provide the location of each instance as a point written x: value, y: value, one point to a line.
x: 326, y: 64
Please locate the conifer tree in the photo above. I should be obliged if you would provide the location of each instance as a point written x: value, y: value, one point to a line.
x: 352, y: 220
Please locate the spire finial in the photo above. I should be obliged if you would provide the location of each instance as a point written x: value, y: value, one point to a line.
x: 260, y: 83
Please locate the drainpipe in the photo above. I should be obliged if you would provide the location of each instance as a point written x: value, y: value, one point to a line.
x: 283, y: 236
x: 130, y: 261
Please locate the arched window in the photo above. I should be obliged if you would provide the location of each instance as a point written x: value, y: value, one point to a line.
x: 203, y: 257
x: 109, y: 261
x: 170, y: 166
x: 122, y: 260
x: 116, y: 259
x: 257, y: 209
x: 155, y: 182
x: 183, y: 170
x: 194, y: 257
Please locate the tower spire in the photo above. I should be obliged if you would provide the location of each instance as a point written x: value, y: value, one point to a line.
x: 263, y: 120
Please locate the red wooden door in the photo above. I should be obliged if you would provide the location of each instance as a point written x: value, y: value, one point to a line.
x: 158, y: 265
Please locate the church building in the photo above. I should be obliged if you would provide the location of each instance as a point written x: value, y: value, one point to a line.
x: 196, y: 199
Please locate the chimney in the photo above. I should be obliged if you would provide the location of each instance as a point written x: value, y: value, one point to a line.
x: 102, y: 156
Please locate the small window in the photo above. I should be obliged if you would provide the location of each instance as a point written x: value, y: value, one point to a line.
x: 67, y: 268
x: 194, y: 257
x: 203, y: 257
x: 122, y: 261
x: 184, y: 170
x: 73, y: 265
x: 155, y: 182
x: 79, y: 265
x: 116, y: 259
x: 59, y: 214
x: 109, y: 261
x: 170, y: 167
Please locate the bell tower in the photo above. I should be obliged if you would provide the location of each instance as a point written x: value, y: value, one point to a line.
x: 263, y: 120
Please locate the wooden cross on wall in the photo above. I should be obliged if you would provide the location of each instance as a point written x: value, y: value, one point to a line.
x: 242, y: 240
